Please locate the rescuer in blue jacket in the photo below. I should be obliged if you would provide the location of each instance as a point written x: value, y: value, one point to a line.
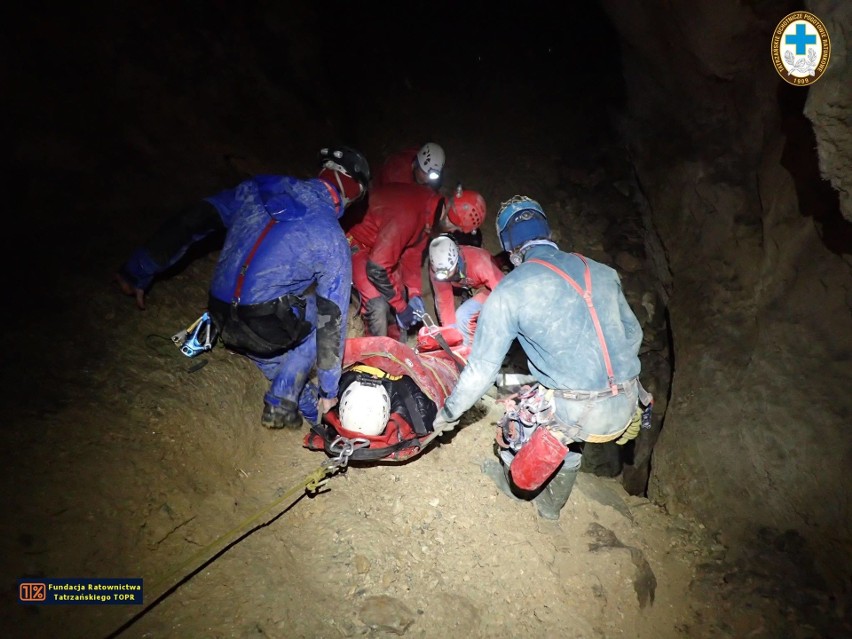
x: 280, y: 290
x: 581, y: 339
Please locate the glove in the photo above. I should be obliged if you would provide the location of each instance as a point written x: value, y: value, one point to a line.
x: 419, y: 308
x: 632, y: 428
x: 443, y: 423
x: 406, y: 317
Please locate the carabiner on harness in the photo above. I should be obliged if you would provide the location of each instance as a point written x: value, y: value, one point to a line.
x: 196, y: 338
x: 344, y: 447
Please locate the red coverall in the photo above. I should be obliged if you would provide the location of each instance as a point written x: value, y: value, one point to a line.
x: 387, y: 250
x: 478, y: 270
x: 397, y: 169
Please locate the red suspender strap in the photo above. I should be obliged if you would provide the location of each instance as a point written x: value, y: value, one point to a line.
x: 587, y: 296
x: 241, y: 277
x: 335, y: 198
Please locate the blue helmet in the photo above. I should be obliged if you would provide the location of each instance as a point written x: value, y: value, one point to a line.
x: 519, y: 221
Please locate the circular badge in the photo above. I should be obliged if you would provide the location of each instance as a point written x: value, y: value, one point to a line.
x: 800, y: 48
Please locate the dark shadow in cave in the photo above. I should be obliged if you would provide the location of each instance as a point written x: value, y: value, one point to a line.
x: 817, y: 198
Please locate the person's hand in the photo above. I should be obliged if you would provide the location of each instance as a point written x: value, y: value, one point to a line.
x: 325, y: 404
x: 419, y: 307
x: 406, y: 318
x: 443, y: 423
x: 129, y: 289
x: 632, y: 428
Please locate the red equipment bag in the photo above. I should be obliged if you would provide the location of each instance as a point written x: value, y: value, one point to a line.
x: 537, y: 460
x: 427, y: 338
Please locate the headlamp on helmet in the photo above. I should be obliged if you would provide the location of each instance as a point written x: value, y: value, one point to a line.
x: 444, y: 257
x: 430, y: 159
x: 348, y: 161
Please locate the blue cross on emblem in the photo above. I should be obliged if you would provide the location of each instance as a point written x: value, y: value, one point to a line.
x: 800, y: 39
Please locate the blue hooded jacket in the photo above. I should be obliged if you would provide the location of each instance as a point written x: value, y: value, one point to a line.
x: 304, y: 252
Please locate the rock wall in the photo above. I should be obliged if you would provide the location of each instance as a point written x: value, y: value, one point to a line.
x: 756, y: 430
x: 829, y: 105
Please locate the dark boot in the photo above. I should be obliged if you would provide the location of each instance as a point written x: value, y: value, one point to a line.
x: 499, y: 473
x: 555, y: 494
x: 284, y: 416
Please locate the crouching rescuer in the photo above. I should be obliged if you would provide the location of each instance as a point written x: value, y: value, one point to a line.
x: 581, y: 340
x: 280, y: 291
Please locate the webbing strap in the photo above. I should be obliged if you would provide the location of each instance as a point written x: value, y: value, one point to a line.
x: 446, y: 347
x: 335, y: 198
x: 416, y: 418
x: 587, y: 296
x: 241, y: 277
x: 375, y: 372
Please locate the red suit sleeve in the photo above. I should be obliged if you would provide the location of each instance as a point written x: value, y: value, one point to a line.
x: 445, y: 304
x: 412, y: 268
x: 482, y: 270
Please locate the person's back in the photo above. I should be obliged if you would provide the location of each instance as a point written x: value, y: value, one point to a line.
x: 423, y: 165
x: 396, y: 212
x: 582, y: 342
x: 280, y: 290
x: 481, y: 270
x: 554, y: 326
x: 302, y: 244
x: 397, y: 169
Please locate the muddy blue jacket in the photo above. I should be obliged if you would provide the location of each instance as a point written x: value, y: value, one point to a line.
x: 304, y: 252
x: 553, y: 325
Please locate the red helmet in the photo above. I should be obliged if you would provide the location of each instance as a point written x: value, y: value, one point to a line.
x: 466, y: 210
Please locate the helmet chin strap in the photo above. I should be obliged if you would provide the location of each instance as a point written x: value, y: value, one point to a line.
x: 340, y: 190
x: 516, y: 257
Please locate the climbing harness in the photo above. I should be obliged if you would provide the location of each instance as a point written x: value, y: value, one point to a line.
x: 196, y: 338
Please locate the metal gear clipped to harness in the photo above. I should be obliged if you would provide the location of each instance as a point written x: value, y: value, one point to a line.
x: 196, y: 338
x: 530, y: 408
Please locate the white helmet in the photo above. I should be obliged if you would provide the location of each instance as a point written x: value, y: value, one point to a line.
x: 443, y: 257
x: 365, y: 407
x: 430, y: 159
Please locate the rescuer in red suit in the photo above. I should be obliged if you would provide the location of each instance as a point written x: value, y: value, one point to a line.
x: 388, y: 246
x: 413, y: 166
x: 468, y: 269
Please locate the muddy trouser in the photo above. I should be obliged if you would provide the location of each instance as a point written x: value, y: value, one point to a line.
x: 573, y: 418
x: 374, y: 307
x: 594, y: 419
x: 289, y: 371
x: 588, y: 417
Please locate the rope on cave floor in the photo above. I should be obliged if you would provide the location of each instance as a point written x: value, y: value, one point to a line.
x: 311, y: 483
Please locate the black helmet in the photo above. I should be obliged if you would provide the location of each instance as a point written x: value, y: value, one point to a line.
x: 346, y: 159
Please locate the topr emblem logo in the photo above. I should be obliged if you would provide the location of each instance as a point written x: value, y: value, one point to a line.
x: 800, y: 48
